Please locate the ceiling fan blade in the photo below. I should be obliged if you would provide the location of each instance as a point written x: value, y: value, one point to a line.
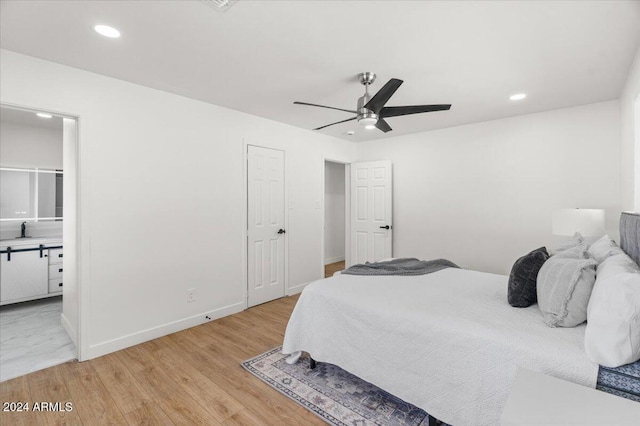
x: 337, y: 122
x: 378, y: 101
x: 328, y: 107
x: 414, y: 109
x: 383, y: 125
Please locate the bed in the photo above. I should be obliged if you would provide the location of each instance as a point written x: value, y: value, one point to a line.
x: 447, y: 342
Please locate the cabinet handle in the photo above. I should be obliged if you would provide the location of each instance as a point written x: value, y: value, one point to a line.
x: 60, y: 285
x: 60, y: 255
x: 60, y: 270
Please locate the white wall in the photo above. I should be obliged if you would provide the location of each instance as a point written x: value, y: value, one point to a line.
x: 161, y: 199
x: 30, y: 146
x: 630, y: 139
x: 483, y: 194
x: 70, y: 306
x: 334, y: 213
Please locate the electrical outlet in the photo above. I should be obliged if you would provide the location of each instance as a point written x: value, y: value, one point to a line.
x: 191, y: 295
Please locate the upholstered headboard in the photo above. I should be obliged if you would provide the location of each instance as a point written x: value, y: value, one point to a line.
x: 630, y: 234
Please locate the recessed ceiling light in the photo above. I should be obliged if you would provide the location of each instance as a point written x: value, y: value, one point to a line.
x: 44, y: 115
x: 107, y: 31
x: 351, y: 133
x: 369, y: 126
x: 518, y: 96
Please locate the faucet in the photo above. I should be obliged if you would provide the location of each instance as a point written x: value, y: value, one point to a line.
x: 23, y: 230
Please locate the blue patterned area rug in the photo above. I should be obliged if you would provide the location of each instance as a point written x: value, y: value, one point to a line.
x: 338, y: 397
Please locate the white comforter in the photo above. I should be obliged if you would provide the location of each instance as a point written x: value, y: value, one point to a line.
x: 447, y: 342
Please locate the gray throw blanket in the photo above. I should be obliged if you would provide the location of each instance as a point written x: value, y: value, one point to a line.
x: 403, y: 266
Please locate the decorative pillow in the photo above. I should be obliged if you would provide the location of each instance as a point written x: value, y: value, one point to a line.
x: 603, y: 248
x: 573, y: 242
x: 522, y: 281
x: 564, y: 286
x: 578, y: 252
x: 612, y: 337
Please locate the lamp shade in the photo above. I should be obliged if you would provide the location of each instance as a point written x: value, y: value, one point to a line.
x: 586, y: 222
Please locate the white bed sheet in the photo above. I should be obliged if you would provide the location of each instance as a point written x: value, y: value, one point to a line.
x: 447, y: 342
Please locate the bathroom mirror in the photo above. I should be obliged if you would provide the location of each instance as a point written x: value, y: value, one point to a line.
x: 30, y: 194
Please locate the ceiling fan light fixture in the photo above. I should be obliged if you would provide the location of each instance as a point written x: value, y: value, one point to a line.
x: 107, y: 31
x: 368, y: 121
x: 370, y: 126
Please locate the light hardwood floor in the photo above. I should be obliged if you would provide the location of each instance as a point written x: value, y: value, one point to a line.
x: 190, y: 377
x: 332, y: 268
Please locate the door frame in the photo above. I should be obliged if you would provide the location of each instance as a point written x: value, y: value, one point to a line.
x: 245, y: 214
x: 81, y: 226
x: 347, y: 212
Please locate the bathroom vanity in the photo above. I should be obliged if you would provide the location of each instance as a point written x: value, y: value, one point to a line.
x: 30, y: 268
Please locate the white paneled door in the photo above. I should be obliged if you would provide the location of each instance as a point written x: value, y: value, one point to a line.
x: 266, y: 231
x: 371, y: 211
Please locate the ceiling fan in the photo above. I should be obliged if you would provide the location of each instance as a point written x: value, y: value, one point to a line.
x: 372, y: 111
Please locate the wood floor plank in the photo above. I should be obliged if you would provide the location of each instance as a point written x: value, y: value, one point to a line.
x: 135, y: 357
x: 180, y: 408
x: 49, y: 386
x: 222, y: 365
x: 16, y: 390
x: 332, y: 268
x: 149, y: 414
x: 92, y: 400
x: 244, y: 418
x: 195, y: 384
x: 120, y: 383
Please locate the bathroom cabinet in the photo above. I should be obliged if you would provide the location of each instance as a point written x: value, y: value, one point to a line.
x: 28, y: 275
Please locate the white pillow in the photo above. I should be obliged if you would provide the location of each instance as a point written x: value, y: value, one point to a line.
x: 603, y: 248
x: 612, y: 337
x: 576, y: 240
x: 578, y: 252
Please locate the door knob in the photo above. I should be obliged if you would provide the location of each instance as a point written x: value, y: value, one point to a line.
x: 385, y: 227
x: 281, y: 231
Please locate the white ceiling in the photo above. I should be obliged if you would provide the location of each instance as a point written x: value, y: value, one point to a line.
x: 260, y: 56
x: 29, y: 118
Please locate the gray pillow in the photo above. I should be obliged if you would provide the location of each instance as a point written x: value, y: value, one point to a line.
x: 521, y: 290
x: 564, y: 287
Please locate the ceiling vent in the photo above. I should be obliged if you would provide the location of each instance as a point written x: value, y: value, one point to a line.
x: 219, y: 5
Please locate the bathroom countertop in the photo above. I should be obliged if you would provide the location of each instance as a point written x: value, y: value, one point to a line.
x: 16, y: 242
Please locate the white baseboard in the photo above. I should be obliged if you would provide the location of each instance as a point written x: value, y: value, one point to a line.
x: 330, y: 260
x: 298, y: 288
x: 133, y: 339
x: 69, y: 329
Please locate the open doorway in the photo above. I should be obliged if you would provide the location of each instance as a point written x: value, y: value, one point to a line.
x: 335, y: 207
x: 38, y: 295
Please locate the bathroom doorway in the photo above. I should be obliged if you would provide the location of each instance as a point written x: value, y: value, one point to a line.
x: 38, y: 289
x: 335, y: 205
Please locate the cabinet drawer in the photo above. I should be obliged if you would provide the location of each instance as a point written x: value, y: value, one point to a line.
x: 55, y: 271
x: 55, y: 286
x: 55, y: 256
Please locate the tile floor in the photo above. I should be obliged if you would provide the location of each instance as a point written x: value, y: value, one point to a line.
x: 32, y: 337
